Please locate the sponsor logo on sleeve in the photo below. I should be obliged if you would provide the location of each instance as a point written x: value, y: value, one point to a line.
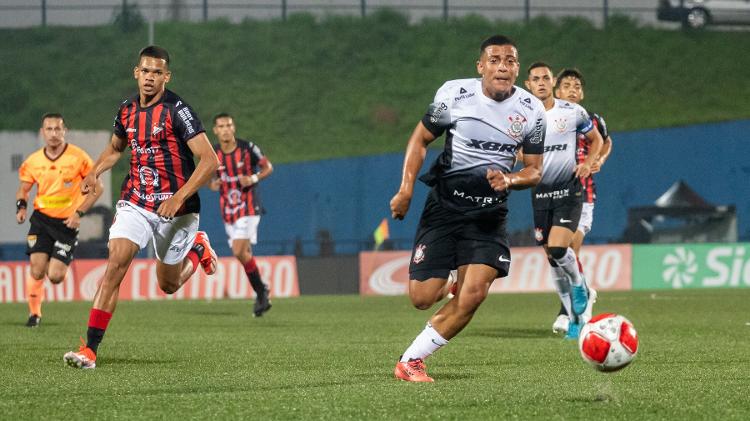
x: 538, y: 134
x: 186, y: 117
x: 437, y: 112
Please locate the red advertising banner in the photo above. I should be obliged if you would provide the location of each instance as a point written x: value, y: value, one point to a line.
x: 606, y: 267
x: 229, y: 281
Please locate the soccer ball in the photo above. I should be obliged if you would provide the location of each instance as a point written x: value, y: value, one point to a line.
x: 608, y: 342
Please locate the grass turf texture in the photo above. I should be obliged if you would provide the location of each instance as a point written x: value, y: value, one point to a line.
x: 333, y: 356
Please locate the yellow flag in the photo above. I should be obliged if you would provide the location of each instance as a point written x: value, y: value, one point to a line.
x: 381, y: 233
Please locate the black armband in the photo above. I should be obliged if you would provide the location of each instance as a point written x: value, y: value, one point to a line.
x: 21, y: 204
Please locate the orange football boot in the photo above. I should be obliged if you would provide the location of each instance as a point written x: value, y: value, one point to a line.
x: 208, y: 258
x: 412, y: 371
x: 84, y: 358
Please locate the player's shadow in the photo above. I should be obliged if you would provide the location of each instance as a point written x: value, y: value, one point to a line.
x: 453, y: 376
x: 598, y: 398
x: 211, y: 313
x: 508, y: 332
x: 138, y: 361
x: 22, y: 324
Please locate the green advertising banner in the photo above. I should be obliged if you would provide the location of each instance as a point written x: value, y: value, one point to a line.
x: 691, y: 266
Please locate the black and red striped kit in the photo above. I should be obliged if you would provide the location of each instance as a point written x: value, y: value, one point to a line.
x: 160, y: 161
x: 237, y: 201
x: 582, y: 151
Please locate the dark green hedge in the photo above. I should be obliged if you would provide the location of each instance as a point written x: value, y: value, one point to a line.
x: 347, y: 86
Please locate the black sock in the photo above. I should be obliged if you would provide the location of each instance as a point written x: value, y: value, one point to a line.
x: 94, y: 337
x: 198, y: 249
x: 562, y: 312
x: 258, y: 286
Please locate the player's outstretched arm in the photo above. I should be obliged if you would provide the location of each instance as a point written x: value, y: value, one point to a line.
x: 207, y: 165
x: 416, y: 150
x: 22, y: 197
x: 266, y: 168
x: 74, y: 220
x: 595, y: 146
x: 603, y: 154
x: 106, y: 161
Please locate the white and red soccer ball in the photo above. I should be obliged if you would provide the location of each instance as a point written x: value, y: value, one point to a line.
x: 608, y: 342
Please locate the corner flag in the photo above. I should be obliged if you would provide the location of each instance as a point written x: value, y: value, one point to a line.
x: 381, y: 233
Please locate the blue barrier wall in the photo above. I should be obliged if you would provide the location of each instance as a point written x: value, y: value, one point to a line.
x: 349, y: 197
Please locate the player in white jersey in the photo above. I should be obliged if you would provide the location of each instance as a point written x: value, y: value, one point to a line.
x: 557, y: 199
x: 462, y: 226
x: 569, y: 86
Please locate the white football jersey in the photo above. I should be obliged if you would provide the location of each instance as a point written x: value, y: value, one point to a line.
x: 481, y: 134
x: 564, y: 122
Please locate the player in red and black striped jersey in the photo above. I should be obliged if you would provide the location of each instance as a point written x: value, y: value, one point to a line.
x: 569, y: 87
x: 582, y: 151
x: 161, y: 162
x: 159, y: 202
x: 242, y: 167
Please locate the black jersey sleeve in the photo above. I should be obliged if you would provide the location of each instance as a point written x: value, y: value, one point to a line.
x: 118, y: 129
x: 533, y: 141
x: 256, y: 156
x: 187, y: 125
x: 601, y: 125
x: 437, y: 119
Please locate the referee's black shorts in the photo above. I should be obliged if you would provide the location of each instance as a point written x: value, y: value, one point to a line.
x: 50, y: 236
x: 446, y: 240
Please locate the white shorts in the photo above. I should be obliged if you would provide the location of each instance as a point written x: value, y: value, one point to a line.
x: 587, y: 218
x: 172, y: 238
x: 245, y: 228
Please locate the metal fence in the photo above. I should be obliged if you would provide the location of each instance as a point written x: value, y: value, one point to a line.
x: 25, y: 13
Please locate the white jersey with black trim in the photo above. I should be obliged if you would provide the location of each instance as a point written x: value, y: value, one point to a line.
x: 481, y: 134
x: 565, y: 120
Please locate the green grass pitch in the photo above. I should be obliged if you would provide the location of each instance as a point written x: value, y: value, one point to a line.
x: 332, y: 357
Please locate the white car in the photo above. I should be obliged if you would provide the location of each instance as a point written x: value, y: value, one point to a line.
x: 697, y: 14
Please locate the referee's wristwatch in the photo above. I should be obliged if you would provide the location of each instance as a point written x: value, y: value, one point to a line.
x: 80, y: 213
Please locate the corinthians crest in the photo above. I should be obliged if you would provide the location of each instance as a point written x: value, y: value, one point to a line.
x: 561, y: 124
x: 419, y: 254
x: 517, y: 124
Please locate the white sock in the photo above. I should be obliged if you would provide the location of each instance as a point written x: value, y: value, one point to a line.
x: 563, y: 291
x: 557, y: 273
x: 562, y: 285
x: 424, y: 345
x: 569, y: 265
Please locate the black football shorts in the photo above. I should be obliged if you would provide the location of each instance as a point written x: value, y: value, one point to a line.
x: 566, y: 214
x: 51, y: 236
x: 446, y: 240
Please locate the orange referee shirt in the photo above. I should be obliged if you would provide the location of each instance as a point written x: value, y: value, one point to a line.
x: 58, y: 180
